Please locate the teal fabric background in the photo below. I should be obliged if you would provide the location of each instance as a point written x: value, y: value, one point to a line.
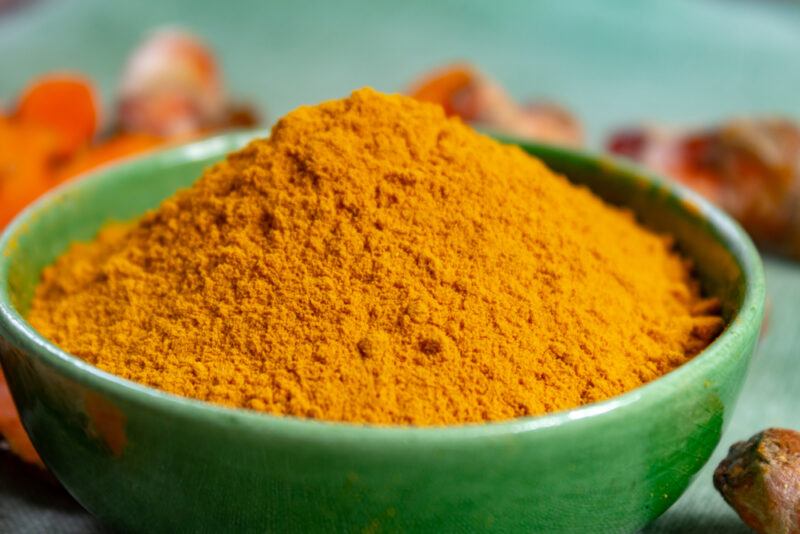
x: 612, y: 62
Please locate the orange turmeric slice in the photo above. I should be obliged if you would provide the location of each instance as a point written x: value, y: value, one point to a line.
x: 26, y: 152
x: 11, y: 427
x: 442, y: 85
x: 64, y: 103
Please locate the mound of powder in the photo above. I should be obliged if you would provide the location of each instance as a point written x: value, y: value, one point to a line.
x: 374, y: 261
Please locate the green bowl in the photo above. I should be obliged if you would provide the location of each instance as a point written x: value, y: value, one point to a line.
x: 144, y: 460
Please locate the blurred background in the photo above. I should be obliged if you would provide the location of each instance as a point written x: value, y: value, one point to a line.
x: 669, y: 84
x: 610, y: 62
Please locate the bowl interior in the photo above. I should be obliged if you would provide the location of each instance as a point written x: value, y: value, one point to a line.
x: 725, y: 259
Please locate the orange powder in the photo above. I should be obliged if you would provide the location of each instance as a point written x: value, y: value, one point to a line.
x: 374, y: 261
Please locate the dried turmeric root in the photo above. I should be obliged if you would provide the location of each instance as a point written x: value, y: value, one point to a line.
x: 760, y: 479
x: 464, y: 92
x: 748, y: 167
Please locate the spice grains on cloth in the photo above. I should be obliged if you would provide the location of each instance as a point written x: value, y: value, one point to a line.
x: 374, y: 261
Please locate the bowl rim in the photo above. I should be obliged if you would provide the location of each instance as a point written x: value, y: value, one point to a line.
x: 740, y: 327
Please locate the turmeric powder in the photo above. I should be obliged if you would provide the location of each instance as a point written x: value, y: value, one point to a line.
x: 374, y: 261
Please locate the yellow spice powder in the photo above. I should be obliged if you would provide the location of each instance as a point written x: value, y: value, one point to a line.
x: 374, y: 261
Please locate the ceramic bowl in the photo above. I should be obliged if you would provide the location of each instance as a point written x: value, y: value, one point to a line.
x: 144, y: 460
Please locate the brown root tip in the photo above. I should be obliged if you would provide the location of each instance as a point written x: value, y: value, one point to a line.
x: 760, y: 479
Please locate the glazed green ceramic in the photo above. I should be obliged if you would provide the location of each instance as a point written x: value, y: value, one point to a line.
x: 147, y: 461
